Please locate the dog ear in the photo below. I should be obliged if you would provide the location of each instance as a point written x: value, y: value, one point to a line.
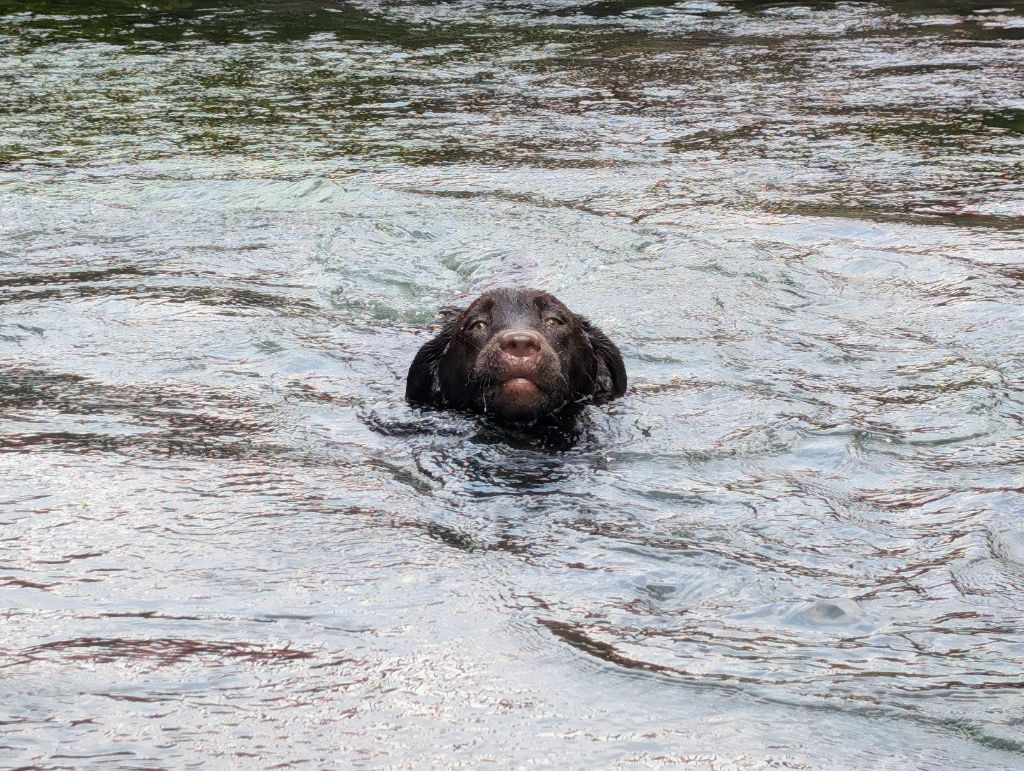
x: 447, y: 314
x: 611, y: 371
x: 423, y: 383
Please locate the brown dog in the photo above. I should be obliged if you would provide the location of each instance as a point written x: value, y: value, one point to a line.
x: 519, y: 355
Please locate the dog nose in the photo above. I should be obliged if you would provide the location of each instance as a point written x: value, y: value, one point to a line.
x: 520, y: 343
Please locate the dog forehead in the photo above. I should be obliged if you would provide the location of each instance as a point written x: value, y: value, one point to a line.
x: 507, y: 306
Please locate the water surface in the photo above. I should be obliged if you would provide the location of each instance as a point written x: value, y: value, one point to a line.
x: 226, y: 540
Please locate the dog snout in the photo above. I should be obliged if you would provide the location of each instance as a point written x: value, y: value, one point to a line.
x: 520, y: 343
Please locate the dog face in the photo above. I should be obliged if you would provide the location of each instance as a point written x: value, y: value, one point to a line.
x: 519, y: 355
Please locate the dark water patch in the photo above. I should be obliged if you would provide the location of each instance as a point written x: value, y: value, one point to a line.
x: 1009, y: 121
x: 71, y: 277
x: 600, y: 10
x: 222, y: 298
x: 161, y: 651
x: 189, y: 21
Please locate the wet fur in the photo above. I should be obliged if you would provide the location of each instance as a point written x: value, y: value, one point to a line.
x: 577, y: 364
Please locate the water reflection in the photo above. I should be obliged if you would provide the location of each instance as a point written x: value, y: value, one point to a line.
x: 226, y: 228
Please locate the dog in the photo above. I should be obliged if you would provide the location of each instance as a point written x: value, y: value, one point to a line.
x: 518, y: 355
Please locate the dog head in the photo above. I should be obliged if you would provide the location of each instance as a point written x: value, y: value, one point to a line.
x: 519, y: 355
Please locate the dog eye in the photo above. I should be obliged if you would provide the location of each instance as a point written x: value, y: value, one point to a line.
x: 554, y: 321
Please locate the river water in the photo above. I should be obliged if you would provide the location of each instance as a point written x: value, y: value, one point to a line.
x: 225, y: 540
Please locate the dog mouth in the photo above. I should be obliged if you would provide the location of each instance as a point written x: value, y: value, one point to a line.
x: 516, y: 396
x: 518, y: 386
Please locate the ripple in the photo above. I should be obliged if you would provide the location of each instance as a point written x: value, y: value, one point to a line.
x: 225, y: 231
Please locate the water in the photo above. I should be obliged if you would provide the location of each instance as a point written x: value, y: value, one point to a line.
x: 226, y: 540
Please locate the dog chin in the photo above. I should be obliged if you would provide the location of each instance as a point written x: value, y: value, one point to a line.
x: 517, y: 398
